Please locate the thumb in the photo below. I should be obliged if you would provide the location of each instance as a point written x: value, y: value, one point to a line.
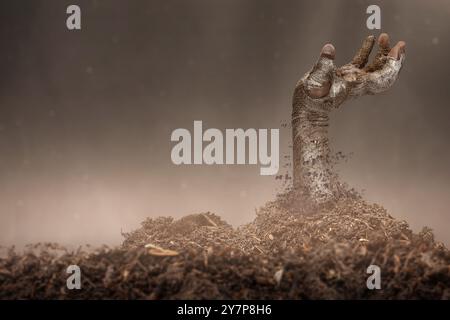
x: 318, y: 82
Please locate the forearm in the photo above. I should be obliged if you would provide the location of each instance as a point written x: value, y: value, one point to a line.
x: 311, y: 152
x: 324, y: 88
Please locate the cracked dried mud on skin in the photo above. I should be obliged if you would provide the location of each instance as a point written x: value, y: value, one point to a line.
x: 326, y: 87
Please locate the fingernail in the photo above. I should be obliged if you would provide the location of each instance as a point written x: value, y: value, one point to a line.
x: 402, y: 46
x: 383, y: 40
x: 328, y: 51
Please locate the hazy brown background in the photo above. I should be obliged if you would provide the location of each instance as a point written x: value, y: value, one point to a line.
x: 86, y: 116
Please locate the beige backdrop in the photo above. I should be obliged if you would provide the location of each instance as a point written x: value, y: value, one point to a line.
x: 86, y: 116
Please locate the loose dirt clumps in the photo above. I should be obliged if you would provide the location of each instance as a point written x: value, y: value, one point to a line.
x: 288, y: 252
x: 195, y: 231
x: 349, y: 220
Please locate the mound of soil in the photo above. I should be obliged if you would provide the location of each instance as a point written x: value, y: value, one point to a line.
x: 285, y: 253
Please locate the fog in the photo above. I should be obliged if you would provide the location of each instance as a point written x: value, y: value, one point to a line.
x: 86, y: 116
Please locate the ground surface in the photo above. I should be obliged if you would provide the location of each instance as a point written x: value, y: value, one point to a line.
x: 285, y: 253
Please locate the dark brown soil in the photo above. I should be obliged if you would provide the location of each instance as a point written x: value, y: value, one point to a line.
x: 285, y: 253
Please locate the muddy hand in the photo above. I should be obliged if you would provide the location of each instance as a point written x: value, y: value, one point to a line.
x: 326, y: 87
x: 355, y: 78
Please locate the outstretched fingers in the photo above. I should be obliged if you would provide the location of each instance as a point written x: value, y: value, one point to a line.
x: 319, y: 80
x: 380, y: 57
x: 382, y: 79
x: 356, y: 81
x: 362, y: 56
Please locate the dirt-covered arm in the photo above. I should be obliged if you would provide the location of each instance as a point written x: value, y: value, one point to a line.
x: 326, y: 87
